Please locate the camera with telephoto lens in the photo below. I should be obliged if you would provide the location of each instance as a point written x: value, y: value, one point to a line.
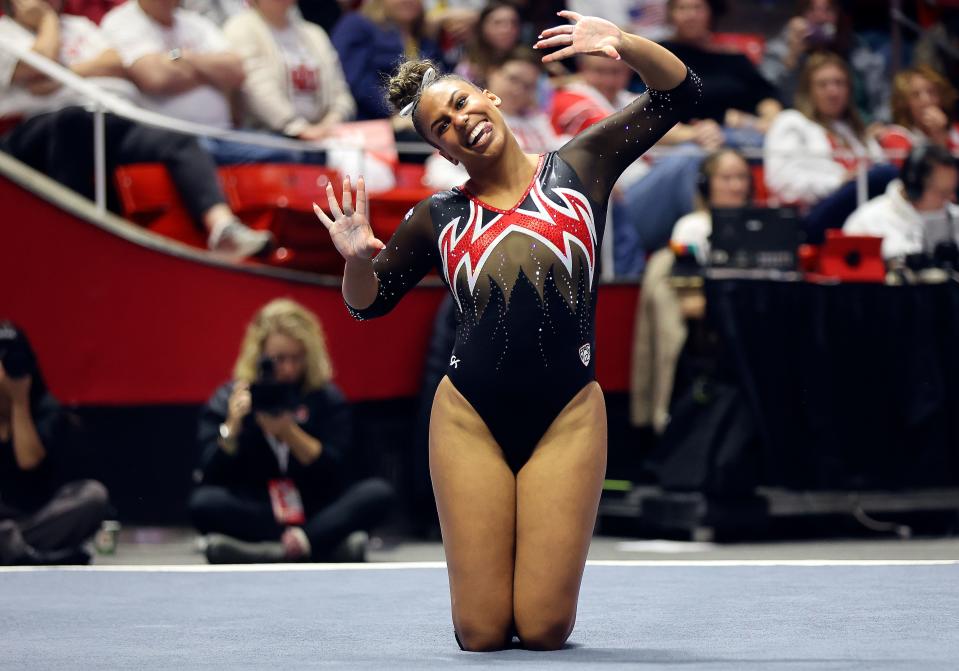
x: 820, y: 35
x: 268, y: 395
x: 15, y: 353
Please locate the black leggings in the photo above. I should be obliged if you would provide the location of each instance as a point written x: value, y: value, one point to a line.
x: 250, y: 517
x: 69, y: 518
x: 60, y: 144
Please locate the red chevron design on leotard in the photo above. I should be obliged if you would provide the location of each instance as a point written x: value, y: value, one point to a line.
x: 558, y: 226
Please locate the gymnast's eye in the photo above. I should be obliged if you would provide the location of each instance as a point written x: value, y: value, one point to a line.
x: 461, y: 102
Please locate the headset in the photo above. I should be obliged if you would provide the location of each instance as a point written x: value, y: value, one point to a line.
x: 707, y: 168
x: 914, y: 176
x: 918, y: 166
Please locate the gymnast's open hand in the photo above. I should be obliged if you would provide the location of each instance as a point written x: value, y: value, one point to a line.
x: 350, y: 230
x: 584, y: 35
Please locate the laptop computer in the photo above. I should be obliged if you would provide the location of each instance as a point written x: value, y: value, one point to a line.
x: 755, y: 238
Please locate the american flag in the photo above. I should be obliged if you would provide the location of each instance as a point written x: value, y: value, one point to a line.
x: 647, y: 13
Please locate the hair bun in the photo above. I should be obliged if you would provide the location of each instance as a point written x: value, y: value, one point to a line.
x: 404, y: 85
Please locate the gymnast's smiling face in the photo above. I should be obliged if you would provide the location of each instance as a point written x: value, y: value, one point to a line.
x: 462, y: 121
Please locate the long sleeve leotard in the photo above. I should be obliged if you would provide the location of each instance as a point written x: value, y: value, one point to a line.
x: 524, y: 279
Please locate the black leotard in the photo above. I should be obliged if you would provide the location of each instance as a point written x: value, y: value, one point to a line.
x: 524, y: 279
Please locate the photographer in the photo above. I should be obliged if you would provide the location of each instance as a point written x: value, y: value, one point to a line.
x: 275, y: 482
x: 42, y: 520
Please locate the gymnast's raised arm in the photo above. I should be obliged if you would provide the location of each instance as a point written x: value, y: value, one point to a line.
x: 624, y: 136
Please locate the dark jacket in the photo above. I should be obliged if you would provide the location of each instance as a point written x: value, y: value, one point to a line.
x: 28, y: 490
x: 369, y: 53
x: 730, y: 81
x: 323, y: 413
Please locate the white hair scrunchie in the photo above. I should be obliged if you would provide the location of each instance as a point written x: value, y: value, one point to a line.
x: 428, y: 78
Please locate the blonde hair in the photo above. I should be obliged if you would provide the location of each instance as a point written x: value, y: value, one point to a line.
x: 803, y: 99
x: 900, y: 94
x: 286, y: 316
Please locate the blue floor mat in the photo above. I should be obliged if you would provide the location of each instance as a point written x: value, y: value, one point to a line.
x: 690, y: 617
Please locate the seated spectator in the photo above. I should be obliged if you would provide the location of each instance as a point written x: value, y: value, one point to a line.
x: 57, y: 136
x: 640, y: 17
x: 274, y: 453
x: 923, y: 102
x: 371, y: 40
x: 452, y: 24
x: 734, y: 93
x: 938, y: 45
x: 811, y: 153
x: 821, y: 25
x: 514, y: 80
x: 184, y: 68
x: 294, y: 84
x: 217, y: 11
x: 43, y: 520
x: 665, y: 305
x: 917, y: 215
x: 724, y: 181
x: 496, y: 34
x: 179, y: 60
x: 598, y: 90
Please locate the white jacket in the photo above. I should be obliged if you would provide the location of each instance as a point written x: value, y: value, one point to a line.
x: 903, y: 229
x: 798, y: 158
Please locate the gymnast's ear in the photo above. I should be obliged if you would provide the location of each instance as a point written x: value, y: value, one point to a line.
x: 493, y: 97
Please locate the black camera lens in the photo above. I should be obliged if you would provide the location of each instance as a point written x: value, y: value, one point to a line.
x: 265, y: 369
x: 15, y: 354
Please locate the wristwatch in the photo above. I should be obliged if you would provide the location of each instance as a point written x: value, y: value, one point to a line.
x: 227, y: 437
x: 175, y: 54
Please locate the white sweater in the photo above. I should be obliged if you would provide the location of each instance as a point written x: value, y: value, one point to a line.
x: 266, y: 89
x: 903, y: 229
x: 798, y: 158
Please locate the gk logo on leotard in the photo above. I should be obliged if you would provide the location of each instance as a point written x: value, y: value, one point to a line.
x: 454, y: 362
x: 584, y: 354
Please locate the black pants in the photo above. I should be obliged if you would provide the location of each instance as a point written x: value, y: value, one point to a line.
x: 60, y: 145
x: 250, y: 517
x: 66, y: 521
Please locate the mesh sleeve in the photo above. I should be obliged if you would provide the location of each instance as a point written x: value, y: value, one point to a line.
x: 606, y: 149
x: 409, y: 255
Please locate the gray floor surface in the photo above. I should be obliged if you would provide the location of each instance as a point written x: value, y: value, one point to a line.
x: 700, y: 616
x: 156, y: 545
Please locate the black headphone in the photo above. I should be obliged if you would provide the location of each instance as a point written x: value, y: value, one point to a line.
x: 918, y: 166
x: 706, y: 169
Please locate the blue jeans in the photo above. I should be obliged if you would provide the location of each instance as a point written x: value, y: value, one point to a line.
x: 644, y: 216
x: 229, y: 152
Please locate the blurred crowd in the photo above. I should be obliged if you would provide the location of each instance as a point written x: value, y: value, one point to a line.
x: 810, y: 106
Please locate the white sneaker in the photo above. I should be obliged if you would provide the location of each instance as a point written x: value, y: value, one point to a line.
x: 352, y: 549
x: 232, y: 238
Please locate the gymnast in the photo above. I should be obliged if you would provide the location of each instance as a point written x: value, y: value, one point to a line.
x: 517, y: 444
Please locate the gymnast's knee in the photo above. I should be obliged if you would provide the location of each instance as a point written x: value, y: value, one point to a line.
x: 482, y: 635
x: 545, y: 632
